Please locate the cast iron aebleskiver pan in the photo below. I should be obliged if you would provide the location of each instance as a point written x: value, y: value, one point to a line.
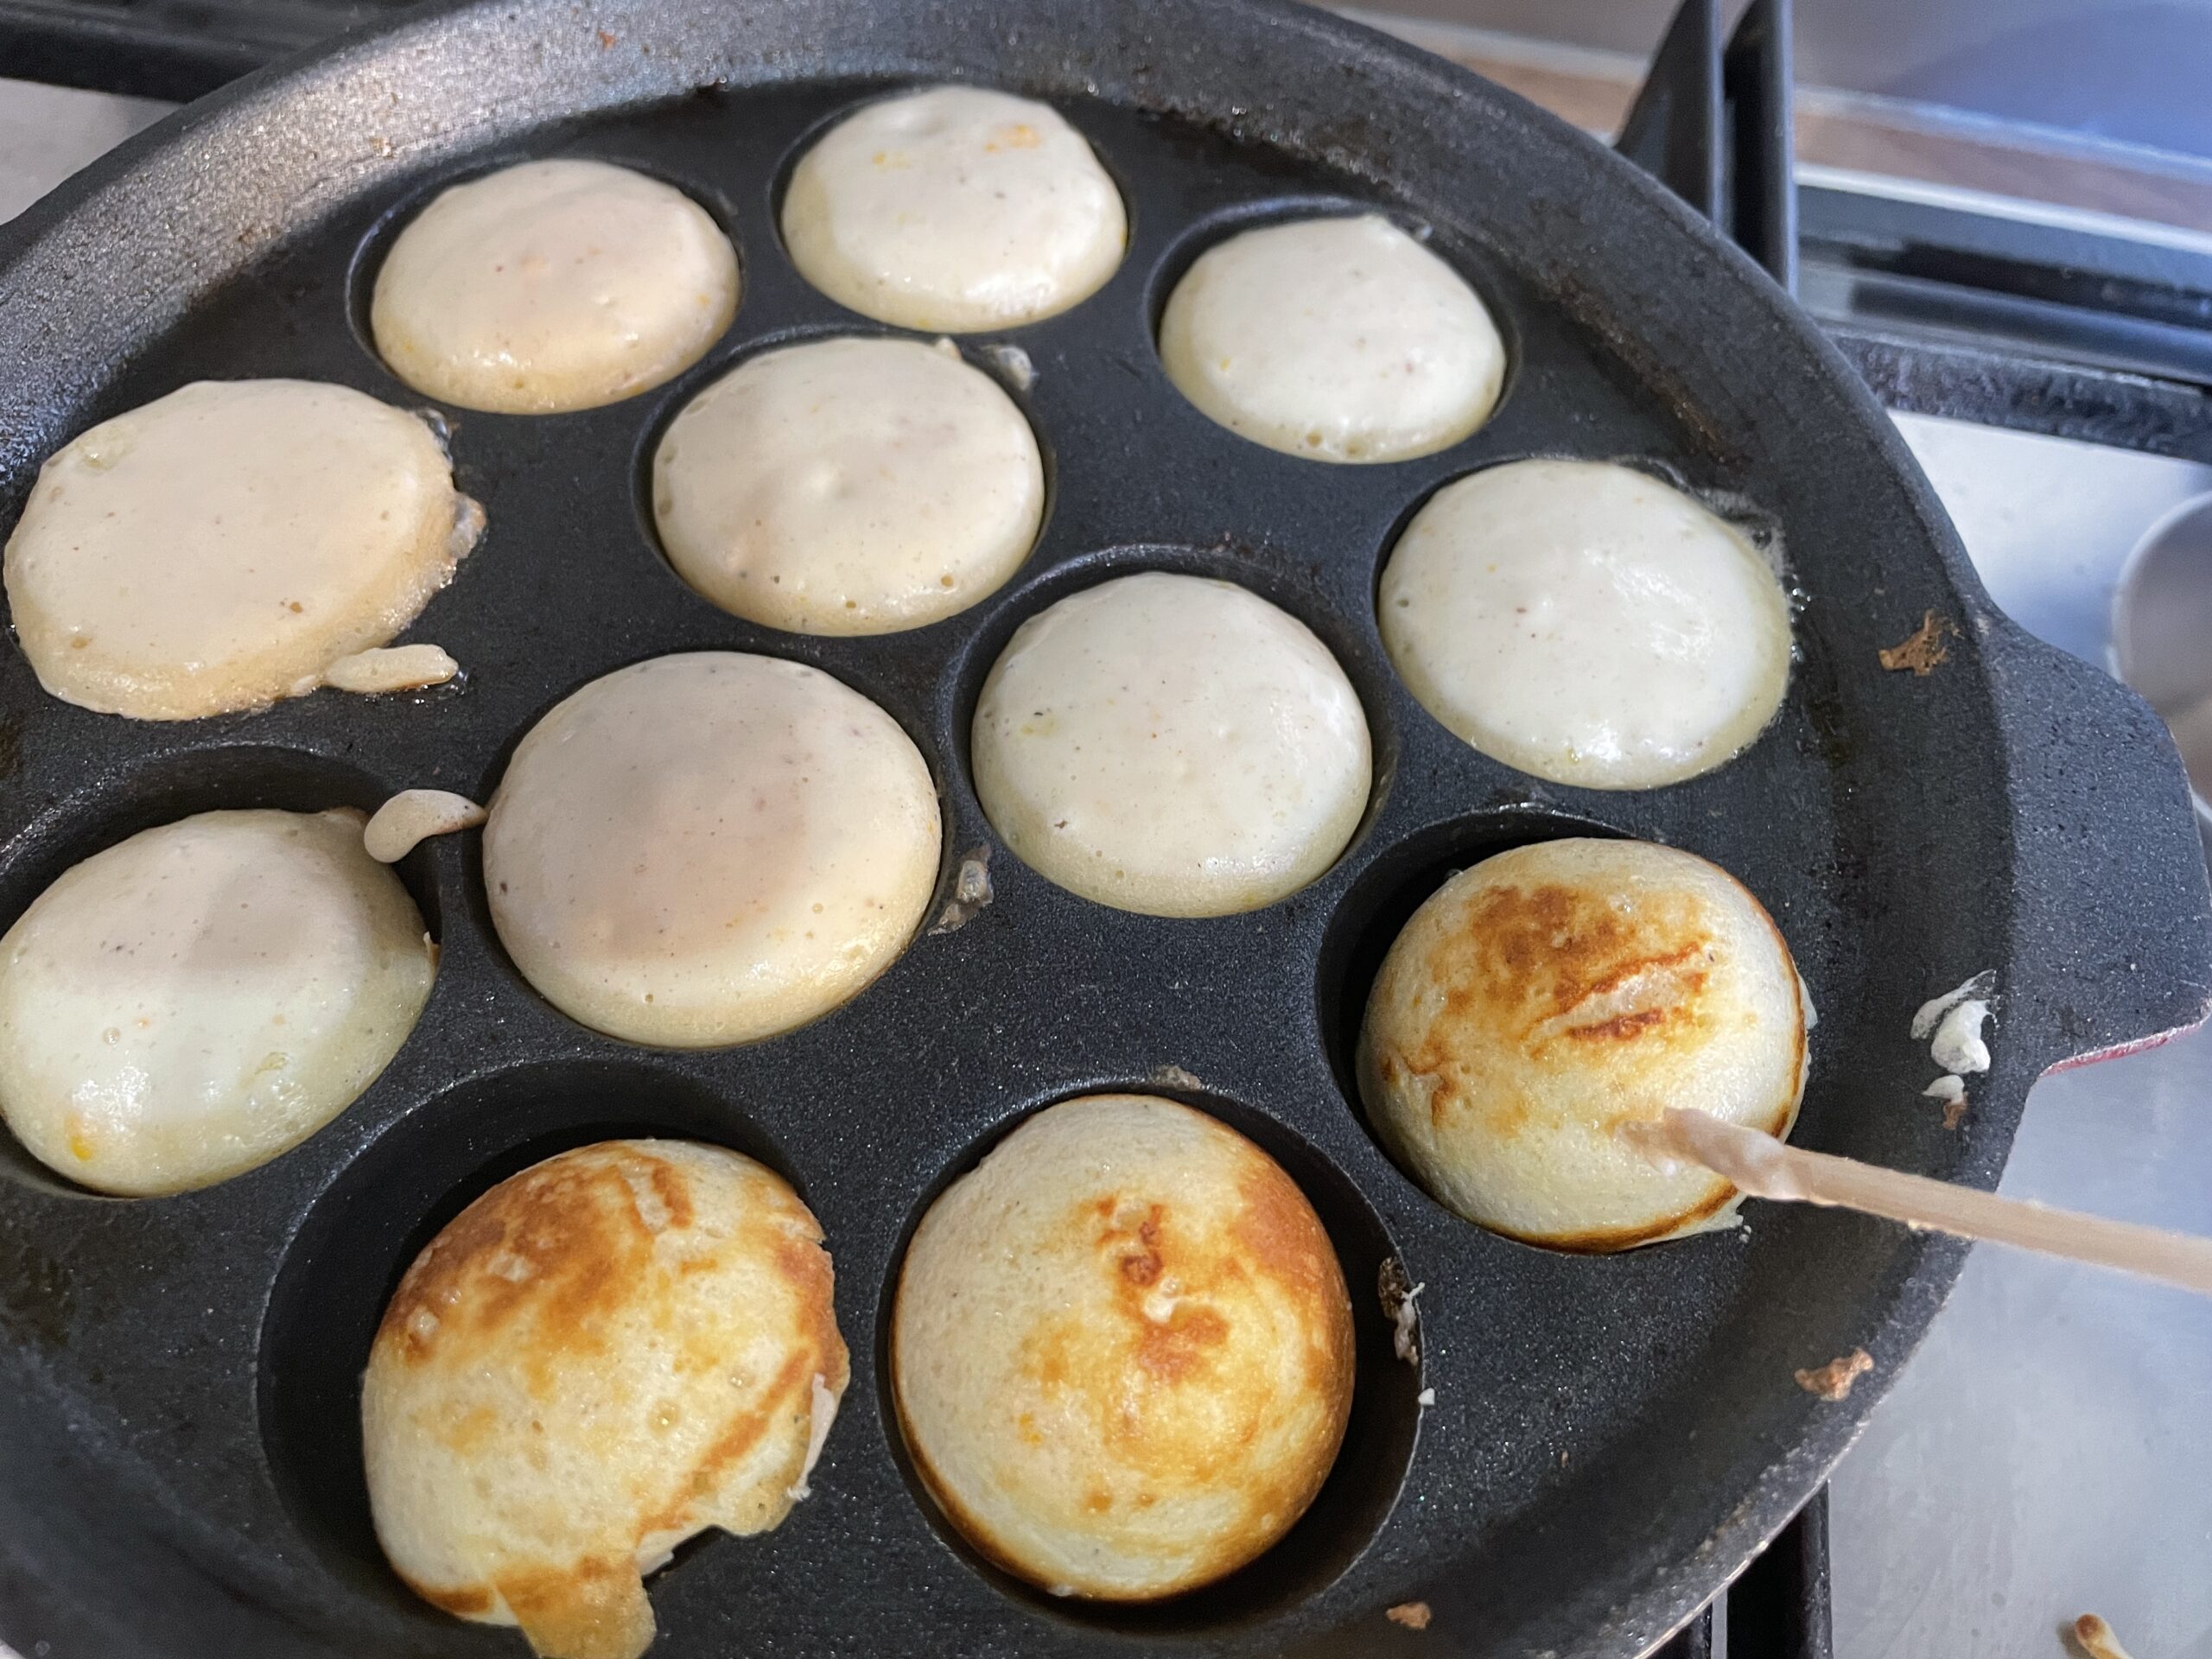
x: 1610, y: 1437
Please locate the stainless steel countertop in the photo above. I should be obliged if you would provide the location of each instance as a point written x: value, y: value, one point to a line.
x: 2049, y: 1451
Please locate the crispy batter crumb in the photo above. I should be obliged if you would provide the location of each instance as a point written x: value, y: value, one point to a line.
x: 1952, y: 1092
x: 1925, y: 651
x: 1833, y: 1379
x: 1397, y: 1299
x: 2094, y: 1637
x: 1413, y: 1615
x: 971, y: 891
x: 1173, y: 1077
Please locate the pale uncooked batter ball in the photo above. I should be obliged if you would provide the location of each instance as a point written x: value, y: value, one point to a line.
x: 1552, y: 994
x: 709, y: 847
x: 550, y: 286
x: 191, y: 1002
x: 1334, y: 339
x: 954, y: 209
x: 1121, y: 1350
x: 1586, y: 623
x: 220, y: 548
x: 850, y: 487
x: 617, y: 1348
x: 1172, y: 745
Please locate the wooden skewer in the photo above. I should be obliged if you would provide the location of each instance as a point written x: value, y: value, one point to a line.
x: 1765, y: 1167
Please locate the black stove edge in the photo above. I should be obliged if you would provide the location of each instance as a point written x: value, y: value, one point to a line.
x: 1964, y: 381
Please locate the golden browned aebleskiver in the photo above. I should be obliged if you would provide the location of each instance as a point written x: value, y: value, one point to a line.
x: 1548, y: 995
x: 1121, y: 1350
x: 617, y: 1348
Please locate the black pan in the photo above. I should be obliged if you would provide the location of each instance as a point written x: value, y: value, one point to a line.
x: 1610, y: 1437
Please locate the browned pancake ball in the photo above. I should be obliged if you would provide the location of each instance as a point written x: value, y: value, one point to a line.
x: 1549, y: 994
x: 1121, y: 1350
x: 616, y: 1349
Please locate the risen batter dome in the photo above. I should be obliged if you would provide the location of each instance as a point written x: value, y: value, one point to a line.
x: 1545, y: 997
x: 617, y: 1348
x: 1122, y: 1350
x: 1333, y: 338
x: 709, y: 847
x: 1586, y: 623
x: 192, y: 1001
x: 553, y: 285
x: 954, y: 209
x: 849, y: 486
x: 1172, y: 745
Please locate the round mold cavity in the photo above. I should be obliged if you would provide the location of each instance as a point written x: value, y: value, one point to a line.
x: 977, y: 351
x: 369, y: 253
x: 1379, y: 904
x: 884, y: 691
x: 1299, y: 589
x: 1264, y: 212
x: 1363, y: 1485
x: 864, y: 94
x: 162, y: 791
x: 375, y: 1219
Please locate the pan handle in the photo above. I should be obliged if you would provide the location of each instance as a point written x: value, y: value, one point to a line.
x: 2112, y: 942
